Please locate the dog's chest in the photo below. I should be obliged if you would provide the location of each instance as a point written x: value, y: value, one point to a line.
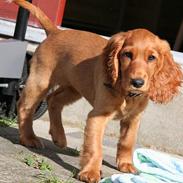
x: 129, y: 108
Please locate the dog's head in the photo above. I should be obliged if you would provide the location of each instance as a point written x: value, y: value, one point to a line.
x: 142, y: 63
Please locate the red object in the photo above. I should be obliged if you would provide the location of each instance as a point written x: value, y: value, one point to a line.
x: 54, y: 9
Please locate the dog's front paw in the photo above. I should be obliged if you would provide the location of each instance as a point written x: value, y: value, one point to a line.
x: 90, y: 176
x: 33, y: 141
x: 127, y: 168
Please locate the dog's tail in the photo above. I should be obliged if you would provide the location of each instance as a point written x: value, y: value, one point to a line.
x: 46, y: 23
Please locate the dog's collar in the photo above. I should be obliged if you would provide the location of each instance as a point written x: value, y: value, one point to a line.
x: 134, y: 94
x: 108, y: 85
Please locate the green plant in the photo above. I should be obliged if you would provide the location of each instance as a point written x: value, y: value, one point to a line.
x: 73, y: 152
x: 44, y: 165
x: 46, y: 175
x: 35, y: 162
x: 44, y: 178
x: 49, y: 177
x: 30, y: 160
x: 6, y: 122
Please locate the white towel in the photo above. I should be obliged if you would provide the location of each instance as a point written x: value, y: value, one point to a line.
x: 153, y: 167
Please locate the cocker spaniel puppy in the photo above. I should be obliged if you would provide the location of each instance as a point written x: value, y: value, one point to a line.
x: 117, y: 77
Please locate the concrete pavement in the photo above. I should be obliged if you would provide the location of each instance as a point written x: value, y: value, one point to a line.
x: 64, y: 162
x: 161, y: 125
x: 161, y: 128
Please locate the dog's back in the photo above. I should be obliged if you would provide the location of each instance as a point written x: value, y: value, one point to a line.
x: 70, y: 54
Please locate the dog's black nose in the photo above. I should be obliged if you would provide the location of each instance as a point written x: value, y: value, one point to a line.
x: 137, y: 83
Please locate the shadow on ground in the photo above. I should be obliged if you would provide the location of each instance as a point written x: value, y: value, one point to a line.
x: 50, y: 151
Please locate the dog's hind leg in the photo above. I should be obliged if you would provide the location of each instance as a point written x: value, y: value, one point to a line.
x: 35, y: 90
x: 56, y: 102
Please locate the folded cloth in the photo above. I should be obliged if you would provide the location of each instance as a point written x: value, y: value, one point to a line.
x: 153, y: 167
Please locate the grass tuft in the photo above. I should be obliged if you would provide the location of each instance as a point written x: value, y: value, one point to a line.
x: 7, y: 122
x: 46, y: 175
x: 35, y: 162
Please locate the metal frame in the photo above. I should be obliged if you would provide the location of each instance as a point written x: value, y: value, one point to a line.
x: 12, y: 85
x: 21, y: 23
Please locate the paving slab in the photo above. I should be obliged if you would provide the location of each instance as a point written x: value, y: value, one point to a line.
x: 65, y: 162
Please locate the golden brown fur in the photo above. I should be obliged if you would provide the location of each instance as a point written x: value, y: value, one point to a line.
x: 117, y: 77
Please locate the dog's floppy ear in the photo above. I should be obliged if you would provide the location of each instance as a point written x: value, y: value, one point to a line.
x: 167, y: 77
x: 110, y: 56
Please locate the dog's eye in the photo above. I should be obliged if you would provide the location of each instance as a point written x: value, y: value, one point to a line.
x: 127, y: 54
x: 151, y: 58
